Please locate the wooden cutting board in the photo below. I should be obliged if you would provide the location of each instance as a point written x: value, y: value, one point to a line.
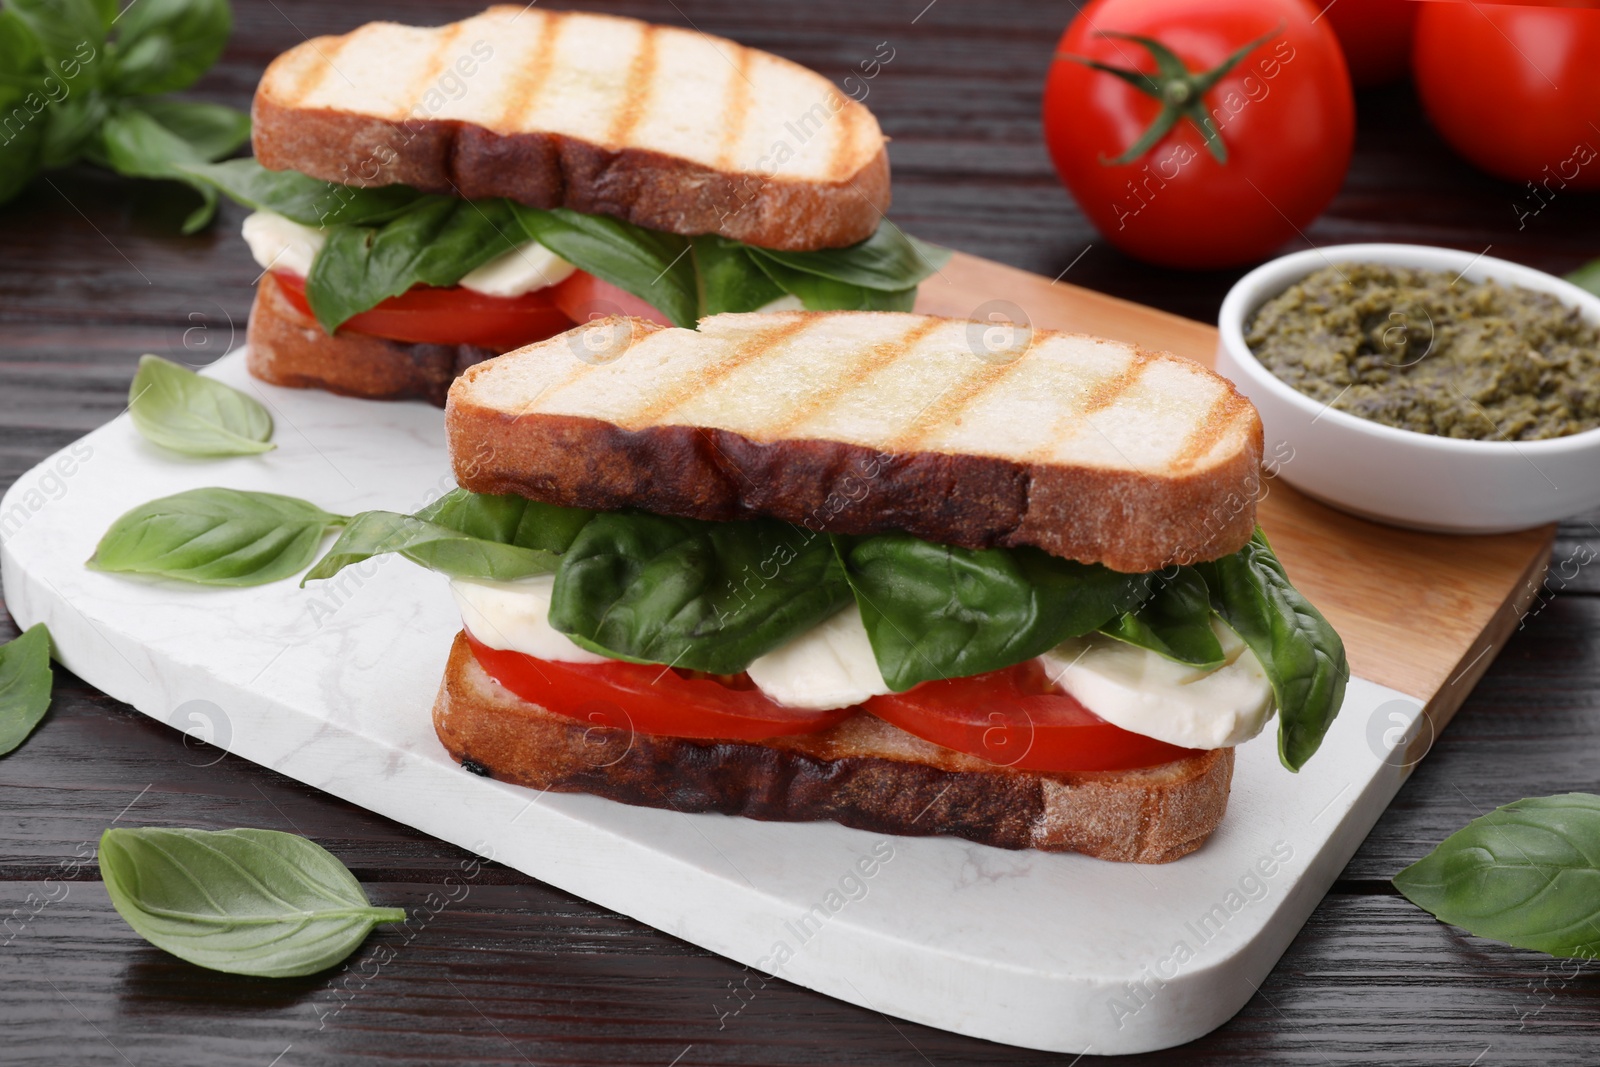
x: 1423, y: 613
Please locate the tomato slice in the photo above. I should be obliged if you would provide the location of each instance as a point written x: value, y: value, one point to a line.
x: 583, y: 297
x: 453, y: 316
x: 1017, y: 718
x: 650, y: 699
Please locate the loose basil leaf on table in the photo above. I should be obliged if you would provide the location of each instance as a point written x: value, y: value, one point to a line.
x: 165, y: 45
x: 653, y: 266
x: 1524, y: 874
x: 730, y: 280
x: 1303, y: 657
x: 436, y: 241
x: 176, y: 408
x: 706, y: 596
x: 890, y: 260
x: 1174, y: 622
x: 25, y: 680
x: 936, y: 611
x: 308, y: 201
x: 256, y: 902
x: 819, y: 293
x: 213, y: 536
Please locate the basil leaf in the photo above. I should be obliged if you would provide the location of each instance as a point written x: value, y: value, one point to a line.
x: 61, y: 26
x: 138, y: 146
x: 936, y: 611
x: 436, y: 241
x: 215, y: 537
x: 437, y: 547
x: 71, y: 131
x: 178, y: 409
x: 818, y: 293
x: 20, y: 156
x: 890, y: 260
x: 1174, y: 622
x: 706, y: 596
x: 509, y: 519
x: 729, y: 278
x: 653, y: 266
x: 165, y: 45
x: 308, y: 201
x: 211, y: 130
x: 1525, y: 874
x: 1302, y: 655
x: 25, y: 680
x: 255, y: 902
x: 1587, y: 276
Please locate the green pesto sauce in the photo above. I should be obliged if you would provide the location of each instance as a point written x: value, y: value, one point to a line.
x: 1418, y: 350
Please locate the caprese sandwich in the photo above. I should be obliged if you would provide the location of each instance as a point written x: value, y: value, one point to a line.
x: 427, y: 197
x: 841, y: 566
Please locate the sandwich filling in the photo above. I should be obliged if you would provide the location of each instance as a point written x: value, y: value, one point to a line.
x: 756, y: 629
x: 401, y: 264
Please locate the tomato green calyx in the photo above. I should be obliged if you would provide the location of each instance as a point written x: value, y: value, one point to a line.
x: 1180, y: 91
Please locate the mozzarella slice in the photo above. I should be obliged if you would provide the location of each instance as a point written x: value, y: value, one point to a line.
x: 829, y: 666
x: 1146, y: 694
x: 277, y: 243
x: 515, y: 617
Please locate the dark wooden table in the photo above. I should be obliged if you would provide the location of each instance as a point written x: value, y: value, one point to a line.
x: 92, y: 274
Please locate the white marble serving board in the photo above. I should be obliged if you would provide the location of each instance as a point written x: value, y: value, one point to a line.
x: 333, y: 686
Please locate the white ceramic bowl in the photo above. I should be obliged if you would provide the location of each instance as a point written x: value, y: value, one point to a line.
x: 1401, y: 476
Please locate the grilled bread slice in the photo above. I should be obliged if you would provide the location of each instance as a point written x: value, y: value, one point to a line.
x: 289, y: 348
x: 667, y: 128
x: 859, y: 422
x: 863, y: 773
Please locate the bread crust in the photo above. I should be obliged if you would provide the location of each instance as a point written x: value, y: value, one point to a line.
x: 291, y: 349
x: 863, y: 773
x: 1128, y: 520
x: 548, y: 170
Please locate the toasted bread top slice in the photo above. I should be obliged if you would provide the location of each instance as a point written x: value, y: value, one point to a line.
x: 960, y: 432
x: 669, y: 128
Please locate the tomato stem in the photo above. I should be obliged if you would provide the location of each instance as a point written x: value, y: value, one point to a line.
x: 1179, y: 90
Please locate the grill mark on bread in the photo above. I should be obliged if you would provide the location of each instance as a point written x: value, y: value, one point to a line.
x: 948, y: 405
x: 428, y: 74
x: 317, y: 73
x: 750, y: 348
x: 1112, y: 391
x: 881, y: 356
x: 520, y: 98
x: 736, y: 107
x: 843, y: 144
x: 638, y: 88
x: 1217, y: 423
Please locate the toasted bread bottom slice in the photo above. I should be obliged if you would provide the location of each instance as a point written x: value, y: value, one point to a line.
x: 291, y: 349
x: 863, y: 773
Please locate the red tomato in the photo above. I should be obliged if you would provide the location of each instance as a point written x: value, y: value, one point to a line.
x: 650, y: 699
x: 1284, y: 115
x: 583, y: 297
x: 454, y: 316
x: 1375, y: 36
x: 1017, y: 718
x: 1514, y: 89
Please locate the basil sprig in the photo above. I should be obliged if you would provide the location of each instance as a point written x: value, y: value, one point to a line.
x: 935, y: 611
x: 176, y: 408
x: 256, y: 902
x: 713, y: 596
x: 79, y: 81
x: 1302, y: 655
x: 25, y: 681
x: 386, y: 239
x: 215, y: 537
x: 1524, y: 874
